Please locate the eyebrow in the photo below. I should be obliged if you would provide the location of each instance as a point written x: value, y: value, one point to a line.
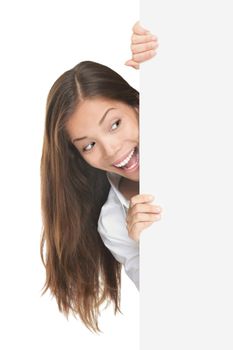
x: 100, y: 122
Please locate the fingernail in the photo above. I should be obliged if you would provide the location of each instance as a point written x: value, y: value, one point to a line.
x: 154, y: 37
x: 151, y: 197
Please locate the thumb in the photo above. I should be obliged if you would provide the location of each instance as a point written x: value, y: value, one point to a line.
x: 132, y: 63
x: 127, y: 63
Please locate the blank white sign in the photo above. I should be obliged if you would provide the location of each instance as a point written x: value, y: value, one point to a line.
x: 186, y: 112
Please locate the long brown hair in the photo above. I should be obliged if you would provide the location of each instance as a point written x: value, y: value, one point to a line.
x: 81, y: 272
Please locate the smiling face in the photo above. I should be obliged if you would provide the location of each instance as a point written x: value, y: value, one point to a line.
x: 106, y: 133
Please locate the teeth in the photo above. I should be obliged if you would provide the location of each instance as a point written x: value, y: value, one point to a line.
x: 126, y: 160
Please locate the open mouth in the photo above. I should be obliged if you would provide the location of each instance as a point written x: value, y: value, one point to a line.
x: 131, y: 162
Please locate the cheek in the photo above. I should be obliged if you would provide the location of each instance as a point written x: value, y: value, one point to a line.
x: 129, y: 130
x: 94, y: 160
x: 133, y: 128
x: 134, y: 132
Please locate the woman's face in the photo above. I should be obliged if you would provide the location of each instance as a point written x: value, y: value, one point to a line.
x: 106, y: 133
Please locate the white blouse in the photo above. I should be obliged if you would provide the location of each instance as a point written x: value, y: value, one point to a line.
x: 113, y: 230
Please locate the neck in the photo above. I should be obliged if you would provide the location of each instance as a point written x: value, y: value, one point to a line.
x: 128, y: 187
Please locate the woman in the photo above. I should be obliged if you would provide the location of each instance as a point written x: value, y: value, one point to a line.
x: 92, y: 212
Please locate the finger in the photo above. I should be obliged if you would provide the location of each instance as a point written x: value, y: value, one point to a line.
x: 132, y: 215
x: 139, y: 29
x: 135, y: 233
x: 145, y: 208
x: 132, y: 63
x: 138, y: 39
x: 144, y: 47
x: 141, y: 217
x: 141, y: 198
x: 144, y: 56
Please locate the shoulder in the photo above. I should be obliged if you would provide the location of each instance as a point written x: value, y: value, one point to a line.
x: 112, y: 221
x: 112, y: 211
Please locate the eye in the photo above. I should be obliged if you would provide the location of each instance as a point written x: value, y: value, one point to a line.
x: 116, y: 124
x: 88, y: 147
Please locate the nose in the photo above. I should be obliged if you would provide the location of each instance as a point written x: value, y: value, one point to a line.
x: 111, y: 149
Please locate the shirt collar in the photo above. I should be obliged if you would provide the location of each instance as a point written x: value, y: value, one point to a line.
x: 114, y: 180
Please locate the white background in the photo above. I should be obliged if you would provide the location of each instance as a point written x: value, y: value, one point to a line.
x: 186, y: 161
x: 39, y: 41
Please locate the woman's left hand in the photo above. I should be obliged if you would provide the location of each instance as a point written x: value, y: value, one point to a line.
x: 141, y: 214
x: 143, y: 46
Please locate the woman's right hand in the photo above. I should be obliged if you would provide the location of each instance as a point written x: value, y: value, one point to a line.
x: 141, y: 214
